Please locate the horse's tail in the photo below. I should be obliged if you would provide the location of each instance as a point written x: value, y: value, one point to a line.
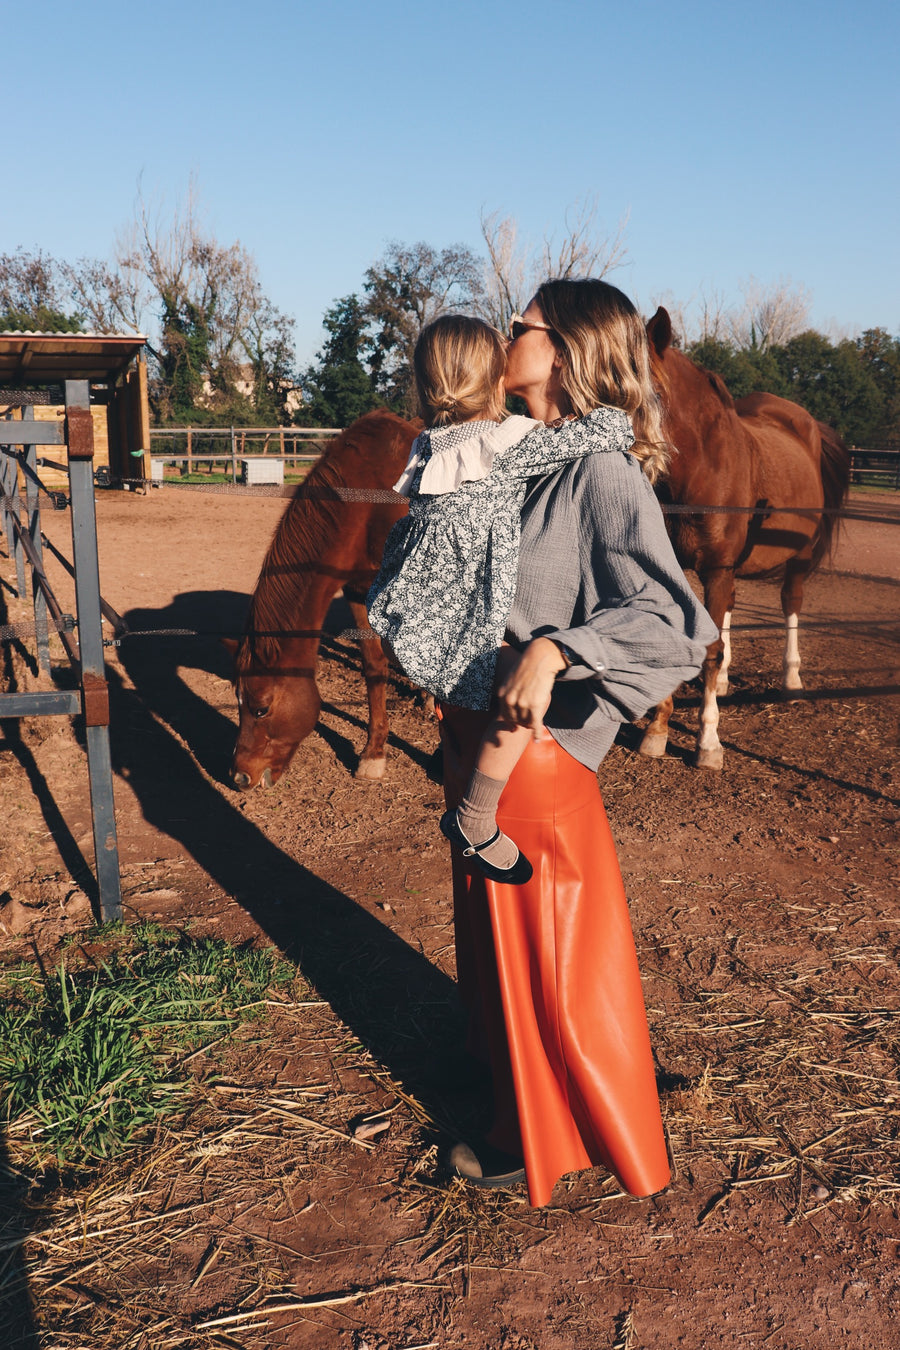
x: 835, y: 466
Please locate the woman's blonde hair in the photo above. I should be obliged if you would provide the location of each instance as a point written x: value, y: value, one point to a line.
x: 605, y: 358
x: 459, y: 364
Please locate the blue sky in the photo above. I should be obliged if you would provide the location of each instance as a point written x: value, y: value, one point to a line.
x: 739, y: 139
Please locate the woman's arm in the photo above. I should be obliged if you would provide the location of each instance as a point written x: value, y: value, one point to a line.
x: 524, y: 695
x: 633, y: 627
x: 547, y: 448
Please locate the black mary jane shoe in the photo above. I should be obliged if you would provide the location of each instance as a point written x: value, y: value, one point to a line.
x: 516, y: 875
x: 489, y: 1169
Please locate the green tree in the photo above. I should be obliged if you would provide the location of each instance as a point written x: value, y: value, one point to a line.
x: 745, y: 371
x: 879, y: 354
x: 338, y: 388
x: 833, y: 384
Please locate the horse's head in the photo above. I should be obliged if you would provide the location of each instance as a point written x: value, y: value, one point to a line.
x: 692, y: 398
x: 278, y: 706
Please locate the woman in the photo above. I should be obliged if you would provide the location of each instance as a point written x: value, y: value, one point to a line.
x: 607, y: 627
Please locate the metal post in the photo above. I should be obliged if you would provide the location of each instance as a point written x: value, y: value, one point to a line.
x: 233, y: 457
x: 12, y: 491
x: 33, y: 506
x: 6, y: 514
x: 80, y: 442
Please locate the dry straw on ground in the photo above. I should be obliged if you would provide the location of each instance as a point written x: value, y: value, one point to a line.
x: 774, y: 1078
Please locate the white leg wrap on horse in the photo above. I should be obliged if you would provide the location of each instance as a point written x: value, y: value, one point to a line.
x: 792, y: 653
x: 709, y: 748
x: 722, y: 678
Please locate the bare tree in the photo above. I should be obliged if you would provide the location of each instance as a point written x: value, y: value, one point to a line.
x: 200, y: 303
x: 34, y: 292
x: 407, y: 288
x: 514, y: 268
x: 770, y: 314
x: 509, y: 271
x: 582, y: 252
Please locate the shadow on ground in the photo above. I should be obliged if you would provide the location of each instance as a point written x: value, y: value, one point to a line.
x: 399, y: 1006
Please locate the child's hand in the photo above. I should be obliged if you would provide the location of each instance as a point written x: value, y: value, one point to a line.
x: 524, y: 693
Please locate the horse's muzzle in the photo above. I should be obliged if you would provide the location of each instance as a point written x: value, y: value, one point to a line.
x: 242, y: 781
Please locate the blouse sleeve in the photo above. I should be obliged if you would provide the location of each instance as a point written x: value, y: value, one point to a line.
x: 547, y: 448
x: 645, y: 631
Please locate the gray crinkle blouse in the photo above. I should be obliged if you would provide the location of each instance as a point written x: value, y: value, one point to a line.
x: 597, y: 573
x: 448, y: 573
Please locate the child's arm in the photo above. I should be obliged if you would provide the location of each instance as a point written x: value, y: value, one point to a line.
x: 547, y: 448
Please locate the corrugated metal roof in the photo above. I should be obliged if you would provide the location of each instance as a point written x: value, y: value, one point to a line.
x: 69, y: 333
x: 35, y: 357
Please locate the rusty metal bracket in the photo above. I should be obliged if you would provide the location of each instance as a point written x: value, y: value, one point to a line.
x: 79, y: 433
x: 95, y: 701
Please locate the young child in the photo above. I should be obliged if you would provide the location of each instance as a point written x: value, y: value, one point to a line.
x: 448, y: 574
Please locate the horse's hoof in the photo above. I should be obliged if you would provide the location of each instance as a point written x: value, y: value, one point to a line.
x: 371, y: 769
x: 710, y: 759
x: 721, y: 688
x: 653, y: 744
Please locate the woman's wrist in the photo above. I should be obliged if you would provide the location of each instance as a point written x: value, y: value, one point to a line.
x: 569, y: 657
x: 549, y: 654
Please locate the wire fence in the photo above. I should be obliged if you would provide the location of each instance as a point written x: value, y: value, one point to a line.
x: 885, y: 513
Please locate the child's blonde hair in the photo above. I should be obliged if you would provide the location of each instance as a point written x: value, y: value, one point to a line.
x: 459, y: 364
x: 605, y: 358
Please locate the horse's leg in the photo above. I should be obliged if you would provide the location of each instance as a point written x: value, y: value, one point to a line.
x: 654, y: 739
x: 791, y: 602
x: 722, y: 678
x: 718, y: 596
x: 375, y: 673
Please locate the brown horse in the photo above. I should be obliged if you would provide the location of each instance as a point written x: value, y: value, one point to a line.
x: 758, y: 452
x: 323, y: 543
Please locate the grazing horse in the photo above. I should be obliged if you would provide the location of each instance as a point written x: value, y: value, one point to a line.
x: 758, y: 452
x: 322, y: 544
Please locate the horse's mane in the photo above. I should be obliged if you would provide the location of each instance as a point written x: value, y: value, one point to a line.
x: 715, y: 382
x: 310, y: 522
x: 719, y: 388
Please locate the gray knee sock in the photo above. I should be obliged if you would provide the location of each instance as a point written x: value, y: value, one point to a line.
x: 477, y: 816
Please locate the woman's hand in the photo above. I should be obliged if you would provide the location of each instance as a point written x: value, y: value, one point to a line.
x: 525, y: 690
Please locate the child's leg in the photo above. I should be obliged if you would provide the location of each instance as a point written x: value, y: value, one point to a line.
x: 501, y: 749
x: 502, y: 746
x: 474, y: 822
x: 499, y: 752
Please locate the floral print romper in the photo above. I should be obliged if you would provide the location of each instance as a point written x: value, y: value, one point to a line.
x: 448, y: 573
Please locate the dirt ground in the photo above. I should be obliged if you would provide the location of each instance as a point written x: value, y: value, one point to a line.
x: 765, y: 907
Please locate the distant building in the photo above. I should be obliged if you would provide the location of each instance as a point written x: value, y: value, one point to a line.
x: 244, y: 384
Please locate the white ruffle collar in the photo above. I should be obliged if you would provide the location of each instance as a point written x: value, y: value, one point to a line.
x: 468, y: 461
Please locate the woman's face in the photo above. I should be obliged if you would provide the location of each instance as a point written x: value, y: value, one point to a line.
x: 532, y: 364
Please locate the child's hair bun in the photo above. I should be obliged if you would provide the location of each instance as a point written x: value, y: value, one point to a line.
x: 459, y: 364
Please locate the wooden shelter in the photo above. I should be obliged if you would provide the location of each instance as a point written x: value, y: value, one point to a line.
x: 113, y: 366
x: 53, y: 389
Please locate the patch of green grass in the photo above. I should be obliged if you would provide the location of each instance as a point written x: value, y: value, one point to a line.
x: 91, y: 1052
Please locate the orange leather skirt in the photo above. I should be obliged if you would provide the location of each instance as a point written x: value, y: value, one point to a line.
x: 550, y: 976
